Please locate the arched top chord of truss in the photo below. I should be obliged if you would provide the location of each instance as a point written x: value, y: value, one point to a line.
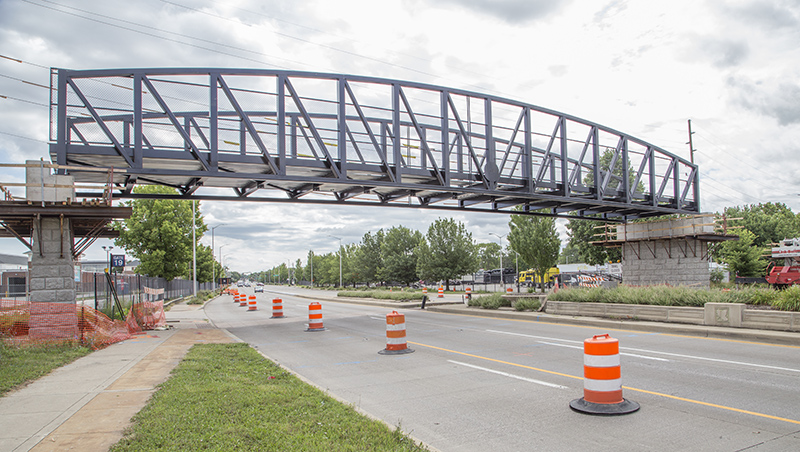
x: 285, y: 136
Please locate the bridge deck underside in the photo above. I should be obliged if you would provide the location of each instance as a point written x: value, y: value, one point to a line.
x: 341, y: 139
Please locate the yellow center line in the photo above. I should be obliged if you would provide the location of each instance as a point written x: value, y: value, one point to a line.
x: 644, y: 391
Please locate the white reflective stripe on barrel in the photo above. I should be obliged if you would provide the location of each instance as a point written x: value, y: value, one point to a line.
x: 601, y: 360
x: 602, y: 385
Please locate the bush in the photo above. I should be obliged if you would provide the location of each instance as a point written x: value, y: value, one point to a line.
x: 788, y: 299
x: 492, y: 301
x: 527, y: 304
x: 382, y: 295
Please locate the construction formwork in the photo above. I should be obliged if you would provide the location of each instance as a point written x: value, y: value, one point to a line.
x: 673, y: 251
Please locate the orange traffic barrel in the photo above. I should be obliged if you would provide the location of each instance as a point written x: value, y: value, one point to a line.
x: 252, y: 304
x: 602, y: 379
x: 395, y: 335
x: 509, y: 290
x: 441, y: 292
x: 242, y: 300
x: 277, y: 308
x: 236, y: 298
x: 315, y: 317
x: 424, y: 291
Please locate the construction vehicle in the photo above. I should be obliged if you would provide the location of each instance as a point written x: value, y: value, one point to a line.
x: 781, y: 276
x: 529, y: 277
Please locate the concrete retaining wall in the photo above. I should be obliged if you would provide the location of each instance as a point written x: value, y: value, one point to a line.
x: 713, y: 314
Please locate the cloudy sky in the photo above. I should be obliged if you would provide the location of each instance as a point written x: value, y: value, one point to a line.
x: 644, y: 68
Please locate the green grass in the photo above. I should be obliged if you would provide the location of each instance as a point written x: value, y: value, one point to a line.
x: 20, y: 365
x: 227, y: 397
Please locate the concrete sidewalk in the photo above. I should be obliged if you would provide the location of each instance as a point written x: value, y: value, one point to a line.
x: 86, y: 405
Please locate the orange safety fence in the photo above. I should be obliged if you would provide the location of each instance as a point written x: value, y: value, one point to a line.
x: 31, y: 322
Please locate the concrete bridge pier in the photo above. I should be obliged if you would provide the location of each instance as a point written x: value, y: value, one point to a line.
x: 52, y: 267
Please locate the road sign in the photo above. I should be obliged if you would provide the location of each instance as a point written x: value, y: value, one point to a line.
x: 117, y: 260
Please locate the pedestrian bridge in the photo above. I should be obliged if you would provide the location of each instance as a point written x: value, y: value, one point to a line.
x: 301, y: 137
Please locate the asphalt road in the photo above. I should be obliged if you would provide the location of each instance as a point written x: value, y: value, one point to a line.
x: 482, y: 384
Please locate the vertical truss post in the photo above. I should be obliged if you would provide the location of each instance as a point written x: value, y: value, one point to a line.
x: 137, y: 121
x: 676, y: 183
x: 564, y: 159
x: 527, y: 155
x: 342, y: 121
x: 652, y: 178
x: 626, y: 177
x: 61, y: 126
x: 213, y: 120
x: 396, y: 150
x: 281, y: 107
x: 598, y: 193
x: 445, y: 121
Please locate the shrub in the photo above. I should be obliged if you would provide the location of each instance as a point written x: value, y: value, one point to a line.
x: 492, y: 301
x: 382, y: 295
x: 788, y: 299
x: 678, y: 296
x: 527, y: 304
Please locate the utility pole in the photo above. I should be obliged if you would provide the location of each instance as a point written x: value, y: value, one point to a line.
x: 691, y: 147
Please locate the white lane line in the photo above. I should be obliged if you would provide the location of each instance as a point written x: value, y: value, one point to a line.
x: 506, y: 374
x: 625, y: 354
x: 676, y: 355
x: 762, y: 366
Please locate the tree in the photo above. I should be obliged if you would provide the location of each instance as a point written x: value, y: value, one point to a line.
x: 488, y: 255
x: 367, y: 260
x: 398, y: 252
x: 581, y: 233
x: 769, y: 223
x: 447, y: 252
x: 535, y: 239
x: 159, y: 233
x: 350, y: 274
x: 742, y: 257
x: 205, y: 260
x: 569, y: 255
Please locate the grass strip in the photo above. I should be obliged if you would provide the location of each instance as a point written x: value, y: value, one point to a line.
x: 228, y: 397
x: 21, y: 365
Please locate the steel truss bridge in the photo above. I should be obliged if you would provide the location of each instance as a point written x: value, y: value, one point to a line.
x: 286, y: 136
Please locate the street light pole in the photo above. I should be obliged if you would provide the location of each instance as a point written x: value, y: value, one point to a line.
x: 502, y: 280
x: 213, y: 267
x: 108, y: 249
x: 194, y: 254
x: 340, y: 257
x: 108, y: 270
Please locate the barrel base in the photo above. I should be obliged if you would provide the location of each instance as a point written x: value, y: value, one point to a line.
x: 395, y: 352
x: 604, y: 409
x: 278, y: 317
x: 313, y: 330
